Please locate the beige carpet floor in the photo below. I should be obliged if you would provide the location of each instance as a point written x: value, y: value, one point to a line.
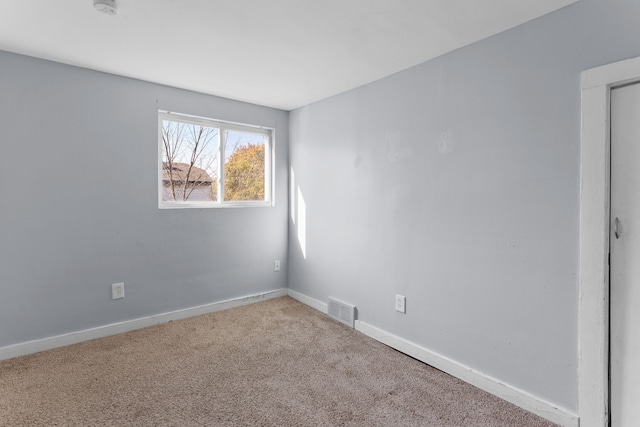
x: 274, y: 363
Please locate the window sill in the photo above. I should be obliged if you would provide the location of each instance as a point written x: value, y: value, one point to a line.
x: 213, y: 205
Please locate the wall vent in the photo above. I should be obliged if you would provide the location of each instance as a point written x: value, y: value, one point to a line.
x: 342, y: 312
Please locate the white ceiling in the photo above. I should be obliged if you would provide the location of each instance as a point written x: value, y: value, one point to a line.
x: 278, y: 53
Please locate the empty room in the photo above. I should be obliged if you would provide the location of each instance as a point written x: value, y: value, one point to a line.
x: 390, y: 212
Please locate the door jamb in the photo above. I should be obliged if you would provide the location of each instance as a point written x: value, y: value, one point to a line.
x: 593, y: 310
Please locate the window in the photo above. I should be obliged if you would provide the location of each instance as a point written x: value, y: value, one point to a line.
x: 209, y: 163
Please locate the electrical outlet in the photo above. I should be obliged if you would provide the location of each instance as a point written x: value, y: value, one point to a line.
x: 400, y: 303
x: 276, y: 265
x: 117, y: 291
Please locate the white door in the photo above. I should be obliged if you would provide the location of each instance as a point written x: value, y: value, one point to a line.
x: 625, y: 257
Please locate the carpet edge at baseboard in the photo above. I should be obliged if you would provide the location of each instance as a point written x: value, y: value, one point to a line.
x: 520, y: 398
x: 36, y: 346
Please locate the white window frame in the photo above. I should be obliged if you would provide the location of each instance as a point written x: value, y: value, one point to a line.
x: 223, y: 126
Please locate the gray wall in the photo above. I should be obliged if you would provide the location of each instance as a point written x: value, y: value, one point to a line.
x: 456, y: 183
x: 78, y: 205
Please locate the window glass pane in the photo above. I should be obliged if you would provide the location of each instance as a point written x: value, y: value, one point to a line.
x: 244, y: 173
x: 189, y: 161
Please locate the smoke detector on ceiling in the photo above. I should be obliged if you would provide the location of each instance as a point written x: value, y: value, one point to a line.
x: 108, y: 7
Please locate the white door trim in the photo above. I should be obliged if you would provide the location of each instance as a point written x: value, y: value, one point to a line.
x: 593, y: 312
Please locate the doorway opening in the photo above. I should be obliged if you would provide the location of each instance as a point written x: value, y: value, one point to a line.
x: 595, y: 185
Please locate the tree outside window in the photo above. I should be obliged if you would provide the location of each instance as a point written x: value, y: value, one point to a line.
x: 191, y: 152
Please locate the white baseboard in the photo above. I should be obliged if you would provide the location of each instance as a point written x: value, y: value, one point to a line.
x: 491, y: 385
x: 511, y: 394
x: 36, y: 346
x: 311, y: 302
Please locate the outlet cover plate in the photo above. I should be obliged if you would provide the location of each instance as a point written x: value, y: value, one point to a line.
x: 401, y: 301
x: 117, y: 291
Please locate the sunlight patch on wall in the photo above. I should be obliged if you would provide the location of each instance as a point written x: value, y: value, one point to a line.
x: 298, y: 212
x: 302, y: 223
x: 292, y: 195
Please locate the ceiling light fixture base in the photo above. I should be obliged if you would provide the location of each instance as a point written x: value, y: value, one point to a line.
x: 108, y: 7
